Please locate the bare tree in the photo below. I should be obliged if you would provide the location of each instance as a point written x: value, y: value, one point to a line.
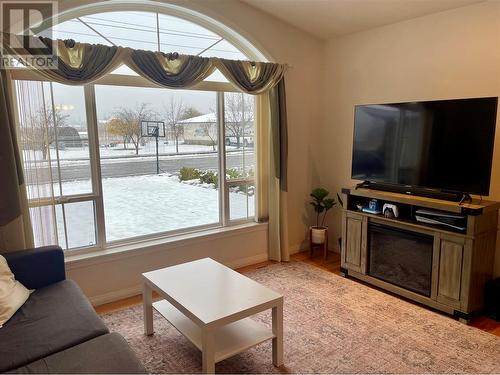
x: 38, y: 133
x: 209, y: 130
x: 174, y: 111
x: 127, y: 123
x: 239, y: 109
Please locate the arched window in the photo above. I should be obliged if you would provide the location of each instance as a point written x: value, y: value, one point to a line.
x: 120, y: 181
x: 147, y: 31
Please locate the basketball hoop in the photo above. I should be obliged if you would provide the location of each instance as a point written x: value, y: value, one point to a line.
x: 155, y: 129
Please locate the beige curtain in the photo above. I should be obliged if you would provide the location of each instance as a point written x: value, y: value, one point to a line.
x: 272, y: 200
x: 278, y: 221
x: 267, y: 79
x: 15, y: 226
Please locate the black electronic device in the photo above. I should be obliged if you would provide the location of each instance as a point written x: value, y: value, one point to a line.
x: 442, y: 218
x: 426, y: 148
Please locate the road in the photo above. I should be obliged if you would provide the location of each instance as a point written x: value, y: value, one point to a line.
x: 122, y: 167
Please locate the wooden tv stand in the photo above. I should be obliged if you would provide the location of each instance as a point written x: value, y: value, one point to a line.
x: 462, y: 261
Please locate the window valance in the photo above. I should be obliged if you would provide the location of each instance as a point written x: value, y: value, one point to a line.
x: 81, y: 63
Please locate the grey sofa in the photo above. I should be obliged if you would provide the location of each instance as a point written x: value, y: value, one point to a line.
x: 57, y: 329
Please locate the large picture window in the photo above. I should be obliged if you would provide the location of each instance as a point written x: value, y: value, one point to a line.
x: 96, y: 178
x: 137, y: 199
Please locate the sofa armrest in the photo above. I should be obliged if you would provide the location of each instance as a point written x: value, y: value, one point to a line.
x: 37, y: 268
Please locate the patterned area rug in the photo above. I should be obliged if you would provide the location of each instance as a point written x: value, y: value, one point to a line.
x: 332, y: 325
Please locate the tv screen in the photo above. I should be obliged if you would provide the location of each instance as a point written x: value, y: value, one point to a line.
x: 445, y: 145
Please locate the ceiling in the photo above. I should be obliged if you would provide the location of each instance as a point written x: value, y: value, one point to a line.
x: 329, y: 18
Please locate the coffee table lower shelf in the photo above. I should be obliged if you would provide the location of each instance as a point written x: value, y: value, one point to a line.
x: 230, y: 339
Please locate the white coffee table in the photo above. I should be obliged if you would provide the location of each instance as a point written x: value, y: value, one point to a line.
x: 210, y: 305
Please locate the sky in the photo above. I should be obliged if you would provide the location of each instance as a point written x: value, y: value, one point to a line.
x: 139, y: 30
x: 110, y: 98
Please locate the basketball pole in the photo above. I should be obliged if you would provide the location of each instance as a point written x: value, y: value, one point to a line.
x: 157, y: 131
x: 150, y: 130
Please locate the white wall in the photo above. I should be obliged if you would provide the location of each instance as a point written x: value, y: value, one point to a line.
x: 453, y: 54
x: 284, y: 44
x: 118, y: 274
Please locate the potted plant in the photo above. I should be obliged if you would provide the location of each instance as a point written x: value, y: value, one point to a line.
x: 321, y: 205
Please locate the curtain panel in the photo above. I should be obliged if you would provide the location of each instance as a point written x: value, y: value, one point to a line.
x: 34, y: 128
x: 15, y: 226
x: 81, y: 63
x: 272, y: 205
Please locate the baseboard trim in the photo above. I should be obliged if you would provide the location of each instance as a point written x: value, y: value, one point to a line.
x: 248, y: 261
x: 117, y: 295
x: 297, y: 248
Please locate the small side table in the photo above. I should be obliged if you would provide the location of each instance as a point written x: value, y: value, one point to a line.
x: 324, y: 245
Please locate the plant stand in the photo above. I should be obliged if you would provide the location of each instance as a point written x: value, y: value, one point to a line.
x: 324, y: 245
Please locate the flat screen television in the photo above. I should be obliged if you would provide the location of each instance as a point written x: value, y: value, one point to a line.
x: 444, y: 145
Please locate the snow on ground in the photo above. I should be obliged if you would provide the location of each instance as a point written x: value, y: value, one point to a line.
x: 141, y: 205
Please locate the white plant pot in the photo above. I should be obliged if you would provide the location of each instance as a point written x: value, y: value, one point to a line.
x: 318, y: 235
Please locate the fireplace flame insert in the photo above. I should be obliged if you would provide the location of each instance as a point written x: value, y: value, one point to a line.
x: 400, y: 257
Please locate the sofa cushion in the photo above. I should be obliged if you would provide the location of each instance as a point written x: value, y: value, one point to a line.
x: 53, y: 319
x: 107, y: 354
x: 37, y: 268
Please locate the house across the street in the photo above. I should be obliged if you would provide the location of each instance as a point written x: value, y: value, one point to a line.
x: 202, y: 130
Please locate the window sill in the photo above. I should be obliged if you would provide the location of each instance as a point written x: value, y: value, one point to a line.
x: 121, y: 251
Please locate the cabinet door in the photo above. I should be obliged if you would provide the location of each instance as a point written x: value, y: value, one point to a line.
x: 450, y: 270
x: 354, y: 242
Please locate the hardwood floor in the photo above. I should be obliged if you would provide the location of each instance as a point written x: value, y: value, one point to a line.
x: 331, y: 264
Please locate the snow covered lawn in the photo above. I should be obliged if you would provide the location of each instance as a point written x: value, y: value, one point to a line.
x: 141, y: 205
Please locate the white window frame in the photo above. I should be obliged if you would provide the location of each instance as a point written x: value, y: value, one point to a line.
x: 219, y: 88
